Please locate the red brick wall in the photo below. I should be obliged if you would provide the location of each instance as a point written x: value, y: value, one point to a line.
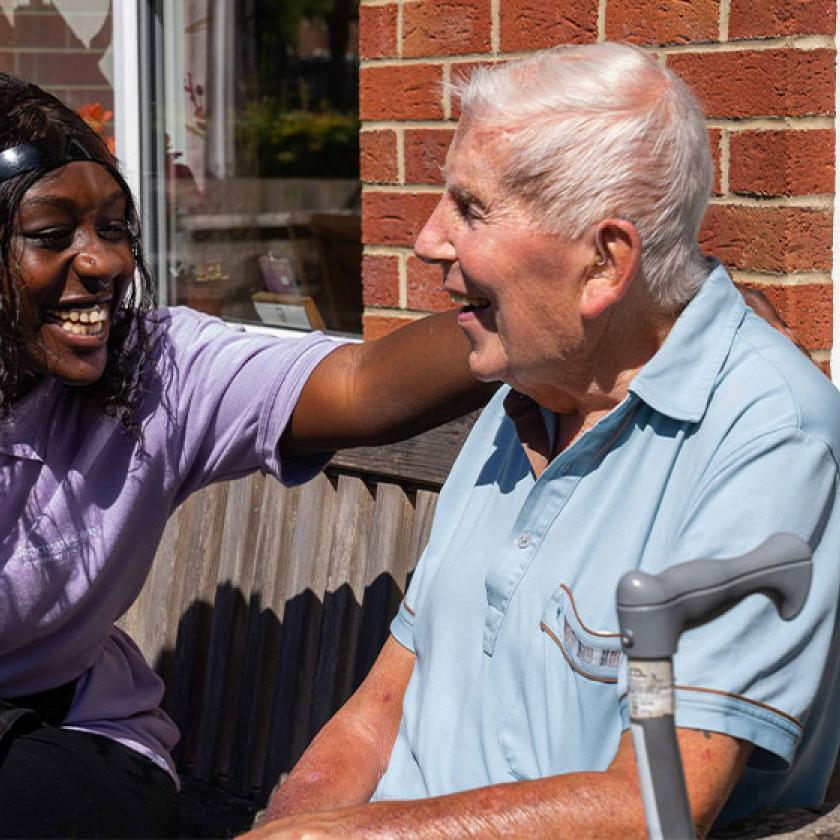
x: 38, y: 45
x: 763, y: 69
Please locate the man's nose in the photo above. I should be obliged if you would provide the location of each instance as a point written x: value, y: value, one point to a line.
x: 433, y: 243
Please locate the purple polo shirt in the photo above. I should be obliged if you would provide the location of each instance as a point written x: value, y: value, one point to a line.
x: 84, y: 506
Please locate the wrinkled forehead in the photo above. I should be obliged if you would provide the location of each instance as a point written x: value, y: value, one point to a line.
x: 478, y: 146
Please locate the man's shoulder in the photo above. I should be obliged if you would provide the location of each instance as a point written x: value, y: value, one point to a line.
x: 493, y: 429
x: 488, y: 450
x: 769, y: 385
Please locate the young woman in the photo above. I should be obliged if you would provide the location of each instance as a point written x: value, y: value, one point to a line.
x: 111, y: 413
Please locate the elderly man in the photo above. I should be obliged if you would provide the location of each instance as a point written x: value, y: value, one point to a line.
x: 649, y: 418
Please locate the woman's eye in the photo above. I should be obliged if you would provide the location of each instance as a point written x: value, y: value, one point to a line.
x: 56, y: 239
x: 114, y: 231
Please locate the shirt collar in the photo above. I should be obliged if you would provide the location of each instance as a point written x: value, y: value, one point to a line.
x: 23, y: 431
x: 678, y: 381
x: 535, y: 426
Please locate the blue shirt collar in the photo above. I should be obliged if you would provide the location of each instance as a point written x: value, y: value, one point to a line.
x: 678, y: 380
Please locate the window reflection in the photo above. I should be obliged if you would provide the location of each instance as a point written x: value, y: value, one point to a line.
x: 260, y: 159
x: 64, y: 46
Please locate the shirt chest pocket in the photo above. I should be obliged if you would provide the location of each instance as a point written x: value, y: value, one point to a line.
x: 594, y: 654
x: 566, y: 718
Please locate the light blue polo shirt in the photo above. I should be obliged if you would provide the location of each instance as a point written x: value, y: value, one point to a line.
x: 728, y: 434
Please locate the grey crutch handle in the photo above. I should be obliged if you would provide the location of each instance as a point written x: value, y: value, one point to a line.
x: 654, y: 610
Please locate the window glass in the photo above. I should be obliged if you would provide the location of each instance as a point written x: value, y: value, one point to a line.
x: 65, y: 47
x: 258, y: 214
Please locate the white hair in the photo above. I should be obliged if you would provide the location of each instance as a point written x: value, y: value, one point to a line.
x: 605, y: 130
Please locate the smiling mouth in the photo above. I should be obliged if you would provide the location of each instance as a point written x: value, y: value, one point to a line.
x: 82, y: 320
x: 470, y: 304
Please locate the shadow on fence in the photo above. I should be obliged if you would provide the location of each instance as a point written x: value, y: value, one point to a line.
x: 249, y: 691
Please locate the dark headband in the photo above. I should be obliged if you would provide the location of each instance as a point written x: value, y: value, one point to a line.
x: 28, y: 156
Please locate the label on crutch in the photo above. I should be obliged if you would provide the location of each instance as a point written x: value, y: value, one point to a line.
x: 651, y: 688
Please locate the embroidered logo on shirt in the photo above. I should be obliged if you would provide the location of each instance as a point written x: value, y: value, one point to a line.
x: 594, y: 654
x: 586, y: 654
x: 53, y: 550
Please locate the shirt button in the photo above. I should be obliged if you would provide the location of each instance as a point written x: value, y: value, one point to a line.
x: 523, y: 540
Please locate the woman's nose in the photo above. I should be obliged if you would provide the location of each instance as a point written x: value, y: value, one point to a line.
x: 97, y: 265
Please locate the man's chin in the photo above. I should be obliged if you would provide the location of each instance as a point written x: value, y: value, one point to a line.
x: 484, y: 371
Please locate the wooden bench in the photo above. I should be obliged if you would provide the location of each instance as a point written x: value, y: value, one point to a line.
x: 266, y: 606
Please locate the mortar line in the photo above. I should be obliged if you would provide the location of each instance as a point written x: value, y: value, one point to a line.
x: 724, y: 162
x: 392, y: 312
x: 386, y: 250
x: 735, y: 124
x: 446, y: 91
x: 399, y: 28
x: 403, y: 188
x: 803, y: 43
x: 402, y: 284
x: 723, y: 30
x: 400, y: 154
x: 495, y: 26
x: 814, y: 201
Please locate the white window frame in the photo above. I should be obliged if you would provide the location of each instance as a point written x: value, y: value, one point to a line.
x: 835, y: 244
x: 126, y: 52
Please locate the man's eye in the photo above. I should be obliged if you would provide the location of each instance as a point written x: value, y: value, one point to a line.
x: 468, y: 211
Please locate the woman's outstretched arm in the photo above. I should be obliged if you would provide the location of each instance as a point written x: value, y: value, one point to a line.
x: 386, y: 390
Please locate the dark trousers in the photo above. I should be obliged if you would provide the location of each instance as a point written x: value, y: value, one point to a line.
x: 62, y: 783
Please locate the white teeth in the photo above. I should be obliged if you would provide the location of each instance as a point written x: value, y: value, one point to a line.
x: 87, y: 315
x: 463, y: 300
x: 78, y: 328
x: 82, y: 320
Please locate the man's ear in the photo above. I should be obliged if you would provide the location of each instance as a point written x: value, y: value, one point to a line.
x: 618, y: 249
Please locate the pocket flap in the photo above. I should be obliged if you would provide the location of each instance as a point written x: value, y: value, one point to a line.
x: 594, y: 654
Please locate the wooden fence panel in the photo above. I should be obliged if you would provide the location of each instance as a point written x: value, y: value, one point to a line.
x: 211, y: 728
x: 266, y: 607
x: 262, y: 649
